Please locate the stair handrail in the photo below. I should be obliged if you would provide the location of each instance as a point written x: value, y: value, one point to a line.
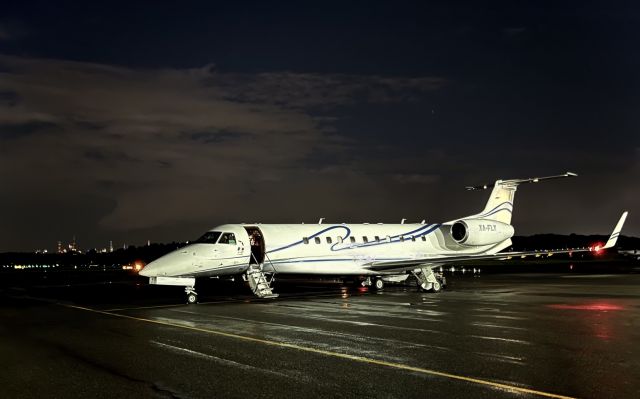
x: 266, y: 255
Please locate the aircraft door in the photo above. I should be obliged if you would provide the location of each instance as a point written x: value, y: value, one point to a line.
x: 256, y: 241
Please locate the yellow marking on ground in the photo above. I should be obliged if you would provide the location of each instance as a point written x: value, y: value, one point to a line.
x: 168, y: 306
x: 329, y: 294
x: 361, y: 359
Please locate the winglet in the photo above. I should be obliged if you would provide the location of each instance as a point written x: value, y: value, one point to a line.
x: 616, y: 232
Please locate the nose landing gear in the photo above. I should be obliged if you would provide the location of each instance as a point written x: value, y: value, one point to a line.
x: 192, y: 295
x: 376, y: 283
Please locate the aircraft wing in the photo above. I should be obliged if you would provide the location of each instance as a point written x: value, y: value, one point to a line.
x: 445, y: 260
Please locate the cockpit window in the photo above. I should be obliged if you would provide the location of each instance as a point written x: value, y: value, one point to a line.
x: 210, y: 237
x: 227, y: 238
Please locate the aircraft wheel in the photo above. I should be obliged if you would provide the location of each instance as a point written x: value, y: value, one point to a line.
x: 378, y: 284
x: 437, y: 286
x: 192, y: 298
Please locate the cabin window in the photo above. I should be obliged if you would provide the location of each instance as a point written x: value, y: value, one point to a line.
x: 317, y: 239
x: 413, y: 238
x: 227, y: 238
x: 328, y: 240
x: 305, y: 240
x: 365, y: 239
x: 377, y: 239
x: 424, y: 238
x: 353, y: 239
x: 210, y: 237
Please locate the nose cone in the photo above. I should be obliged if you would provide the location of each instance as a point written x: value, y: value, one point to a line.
x: 172, y: 264
x: 148, y: 270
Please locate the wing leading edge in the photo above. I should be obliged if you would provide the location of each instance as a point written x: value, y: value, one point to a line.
x: 444, y: 260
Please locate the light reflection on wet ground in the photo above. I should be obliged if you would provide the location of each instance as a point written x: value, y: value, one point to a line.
x: 549, y: 333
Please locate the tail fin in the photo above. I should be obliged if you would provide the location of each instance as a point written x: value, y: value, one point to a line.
x: 500, y: 204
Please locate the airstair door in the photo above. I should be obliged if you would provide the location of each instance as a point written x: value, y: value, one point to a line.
x: 256, y: 242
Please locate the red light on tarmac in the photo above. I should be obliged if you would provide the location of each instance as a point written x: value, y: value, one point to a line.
x: 600, y: 306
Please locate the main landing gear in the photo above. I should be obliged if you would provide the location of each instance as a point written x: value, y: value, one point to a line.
x: 192, y: 295
x: 427, y: 280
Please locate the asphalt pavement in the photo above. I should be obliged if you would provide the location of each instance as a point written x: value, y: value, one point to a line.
x: 493, y: 336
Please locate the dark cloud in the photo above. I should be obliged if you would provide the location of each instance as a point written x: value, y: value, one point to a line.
x: 112, y: 156
x: 9, y: 98
x: 213, y: 137
x: 19, y: 130
x: 305, y: 90
x: 121, y: 136
x: 146, y: 140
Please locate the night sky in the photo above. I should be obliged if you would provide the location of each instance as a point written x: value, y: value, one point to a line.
x: 130, y: 122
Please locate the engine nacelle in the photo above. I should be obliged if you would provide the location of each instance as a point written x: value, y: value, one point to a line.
x: 476, y: 232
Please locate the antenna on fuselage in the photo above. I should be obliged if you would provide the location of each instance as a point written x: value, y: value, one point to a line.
x: 402, y: 221
x: 321, y: 220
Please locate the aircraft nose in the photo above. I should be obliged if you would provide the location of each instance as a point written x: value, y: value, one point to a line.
x: 158, y: 267
x: 166, y: 265
x: 150, y: 270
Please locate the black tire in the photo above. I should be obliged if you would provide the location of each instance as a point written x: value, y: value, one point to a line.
x: 378, y: 284
x: 192, y: 298
x: 437, y: 287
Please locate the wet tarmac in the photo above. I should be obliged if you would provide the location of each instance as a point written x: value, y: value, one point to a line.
x: 495, y: 336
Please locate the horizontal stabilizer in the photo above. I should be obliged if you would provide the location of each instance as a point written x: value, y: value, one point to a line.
x: 515, y: 182
x: 616, y: 232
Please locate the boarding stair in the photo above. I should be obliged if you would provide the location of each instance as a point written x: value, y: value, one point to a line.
x: 259, y: 282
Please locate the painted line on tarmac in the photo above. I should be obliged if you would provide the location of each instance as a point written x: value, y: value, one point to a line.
x: 168, y: 306
x: 252, y: 299
x: 362, y: 359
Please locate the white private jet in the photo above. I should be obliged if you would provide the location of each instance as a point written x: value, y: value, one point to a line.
x: 373, y: 252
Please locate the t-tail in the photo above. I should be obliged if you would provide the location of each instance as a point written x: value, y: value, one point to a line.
x: 500, y: 204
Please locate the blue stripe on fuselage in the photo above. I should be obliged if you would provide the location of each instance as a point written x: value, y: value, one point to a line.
x: 422, y: 231
x: 496, y: 210
x: 312, y: 236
